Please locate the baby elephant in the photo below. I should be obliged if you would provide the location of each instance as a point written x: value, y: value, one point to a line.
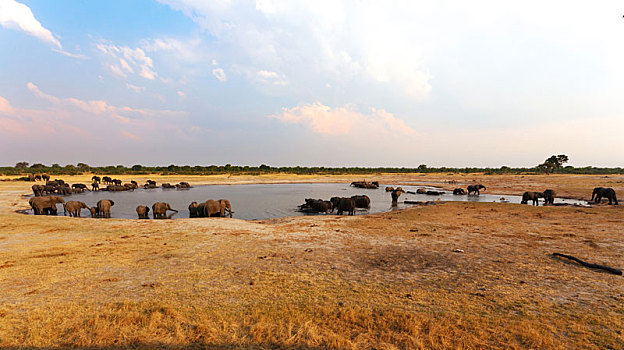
x: 142, y: 211
x: 159, y: 210
x: 74, y: 207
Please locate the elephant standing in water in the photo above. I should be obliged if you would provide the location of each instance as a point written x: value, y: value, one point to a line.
x: 226, y: 207
x: 143, y: 211
x: 475, y: 188
x: 362, y: 201
x: 549, y: 197
x: 45, y: 205
x: 74, y: 208
x: 395, y: 197
x: 343, y: 204
x: 459, y: 191
x: 607, y: 192
x: 210, y: 208
x: 103, y: 208
x: 534, y: 196
x: 159, y: 210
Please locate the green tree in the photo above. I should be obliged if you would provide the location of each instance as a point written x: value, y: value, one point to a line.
x: 553, y: 163
x: 21, y: 165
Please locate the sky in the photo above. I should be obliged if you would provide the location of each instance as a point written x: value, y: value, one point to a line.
x: 312, y: 83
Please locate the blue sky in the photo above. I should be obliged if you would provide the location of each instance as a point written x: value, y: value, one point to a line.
x: 327, y: 83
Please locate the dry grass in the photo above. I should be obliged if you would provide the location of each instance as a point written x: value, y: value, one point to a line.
x: 386, y: 281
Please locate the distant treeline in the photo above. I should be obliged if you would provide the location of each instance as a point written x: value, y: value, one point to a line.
x: 55, y: 169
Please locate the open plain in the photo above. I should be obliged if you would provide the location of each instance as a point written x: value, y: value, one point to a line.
x: 451, y: 275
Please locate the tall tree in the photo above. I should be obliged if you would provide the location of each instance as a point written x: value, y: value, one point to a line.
x: 553, y: 163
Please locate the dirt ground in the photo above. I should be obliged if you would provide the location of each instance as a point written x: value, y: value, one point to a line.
x: 451, y: 275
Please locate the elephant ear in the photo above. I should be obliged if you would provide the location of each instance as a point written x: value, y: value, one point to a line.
x: 112, y: 203
x: 147, y: 209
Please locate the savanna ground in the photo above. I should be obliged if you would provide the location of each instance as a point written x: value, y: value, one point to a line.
x: 383, y: 281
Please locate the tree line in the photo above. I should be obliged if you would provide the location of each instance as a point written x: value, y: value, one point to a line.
x: 554, y: 164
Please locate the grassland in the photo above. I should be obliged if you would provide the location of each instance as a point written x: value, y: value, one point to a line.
x: 453, y: 275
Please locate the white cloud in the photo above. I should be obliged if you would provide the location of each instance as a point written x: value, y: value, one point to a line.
x: 219, y: 73
x: 267, y: 74
x: 135, y: 88
x: 124, y: 60
x: 345, y: 121
x: 181, y: 94
x: 97, y: 107
x: 18, y: 16
x: 15, y: 15
x: 190, y: 50
x: 344, y: 43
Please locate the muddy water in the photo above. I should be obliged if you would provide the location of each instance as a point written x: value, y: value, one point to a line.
x: 264, y: 201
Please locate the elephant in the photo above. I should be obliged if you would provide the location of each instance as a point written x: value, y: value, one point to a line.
x: 183, y: 185
x: 74, y: 208
x: 31, y: 177
x: 95, y: 186
x: 60, y: 181
x: 45, y: 177
x: 362, y: 201
x: 210, y: 208
x: 38, y: 190
x: 151, y: 182
x: 395, y: 197
x: 159, y: 210
x: 94, y: 212
x: 399, y: 189
x: 389, y: 189
x: 226, y: 207
x: 421, y: 191
x: 115, y: 188
x: 318, y: 205
x: 80, y: 186
x: 549, y: 197
x: 167, y: 185
x: 534, y: 196
x: 37, y: 177
x: 149, y: 185
x: 103, y: 207
x: 345, y: 204
x: 143, y: 211
x: 134, y: 183
x: 475, y: 188
x: 193, y: 210
x: 96, y: 179
x: 459, y: 191
x: 607, y: 192
x: 65, y: 190
x: 45, y: 205
x: 107, y: 180
x: 117, y: 182
x: 129, y: 187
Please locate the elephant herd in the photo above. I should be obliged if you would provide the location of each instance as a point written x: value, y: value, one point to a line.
x: 46, y: 197
x: 471, y: 189
x: 340, y: 204
x: 46, y: 205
